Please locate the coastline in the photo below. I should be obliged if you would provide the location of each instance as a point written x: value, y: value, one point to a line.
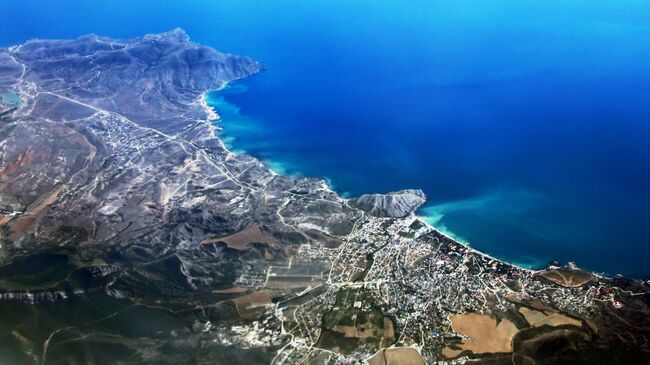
x: 278, y: 168
x: 218, y: 123
x: 285, y: 267
x: 212, y: 112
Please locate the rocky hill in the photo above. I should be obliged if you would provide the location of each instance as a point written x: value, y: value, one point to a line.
x: 130, y: 234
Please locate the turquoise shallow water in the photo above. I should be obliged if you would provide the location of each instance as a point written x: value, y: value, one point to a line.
x: 526, y: 123
x: 10, y: 99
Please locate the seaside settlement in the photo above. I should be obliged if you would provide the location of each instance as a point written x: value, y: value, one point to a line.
x: 402, y: 285
x: 120, y: 200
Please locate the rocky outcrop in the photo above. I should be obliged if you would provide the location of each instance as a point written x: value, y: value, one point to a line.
x: 394, y: 205
x: 114, y: 186
x: 153, y: 81
x: 112, y: 135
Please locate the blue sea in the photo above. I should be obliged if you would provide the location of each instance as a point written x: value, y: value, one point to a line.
x: 527, y: 123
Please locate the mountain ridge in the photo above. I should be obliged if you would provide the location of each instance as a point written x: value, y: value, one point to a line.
x: 115, y: 188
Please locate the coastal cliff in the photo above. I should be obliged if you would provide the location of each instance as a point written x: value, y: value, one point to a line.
x: 395, y: 205
x: 120, y: 205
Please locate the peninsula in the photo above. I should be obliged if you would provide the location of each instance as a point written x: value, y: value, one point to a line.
x: 129, y: 233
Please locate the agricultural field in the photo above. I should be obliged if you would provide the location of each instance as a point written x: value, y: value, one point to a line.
x: 354, y: 322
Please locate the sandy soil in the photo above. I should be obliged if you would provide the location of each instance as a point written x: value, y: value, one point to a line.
x: 23, y: 225
x: 450, y: 353
x: 23, y: 159
x: 349, y: 331
x: 397, y: 356
x: 5, y: 218
x: 486, y: 336
x: 45, y: 200
x: 241, y: 239
x: 538, y: 318
x: 571, y: 278
x: 252, y: 300
x: 235, y: 290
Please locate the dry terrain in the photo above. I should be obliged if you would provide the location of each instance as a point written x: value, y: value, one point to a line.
x: 539, y: 318
x: 568, y: 277
x: 485, y: 334
x: 397, y: 356
x: 242, y: 239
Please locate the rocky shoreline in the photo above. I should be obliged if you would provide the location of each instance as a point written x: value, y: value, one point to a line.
x: 126, y: 195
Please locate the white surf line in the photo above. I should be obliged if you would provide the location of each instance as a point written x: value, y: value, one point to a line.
x: 470, y: 248
x: 341, y: 200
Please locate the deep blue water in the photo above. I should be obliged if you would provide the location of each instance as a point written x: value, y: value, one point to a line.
x: 526, y: 122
